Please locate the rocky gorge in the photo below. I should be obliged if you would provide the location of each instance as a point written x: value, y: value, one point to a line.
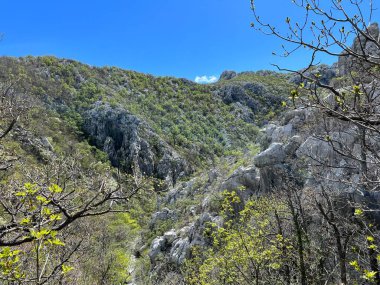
x: 192, y: 145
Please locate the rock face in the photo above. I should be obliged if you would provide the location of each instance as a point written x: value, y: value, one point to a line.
x: 325, y: 72
x: 180, y: 251
x: 235, y: 93
x: 176, y: 245
x: 275, y: 154
x: 164, y: 215
x: 158, y: 245
x: 39, y: 146
x: 275, y: 163
x: 227, y: 75
x: 343, y: 176
x: 245, y: 181
x: 246, y: 177
x: 370, y: 48
x: 270, y: 166
x: 299, y: 150
x: 292, y: 146
x: 178, y: 248
x: 250, y: 99
x: 289, y: 141
x: 132, y: 145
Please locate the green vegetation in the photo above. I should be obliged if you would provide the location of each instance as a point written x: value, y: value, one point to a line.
x: 277, y: 83
x: 189, y: 116
x: 49, y: 139
x: 245, y: 250
x: 68, y: 215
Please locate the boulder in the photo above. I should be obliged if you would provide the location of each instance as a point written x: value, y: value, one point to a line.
x: 185, y: 231
x: 237, y: 94
x: 282, y: 133
x: 158, y: 245
x: 275, y: 154
x: 163, y: 215
x: 292, y: 145
x: 180, y: 251
x: 243, y: 177
x: 170, y: 236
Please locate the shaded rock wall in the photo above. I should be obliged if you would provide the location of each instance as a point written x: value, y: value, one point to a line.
x: 361, y: 46
x: 132, y: 145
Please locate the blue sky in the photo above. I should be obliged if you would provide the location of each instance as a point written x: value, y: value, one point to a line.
x: 162, y: 37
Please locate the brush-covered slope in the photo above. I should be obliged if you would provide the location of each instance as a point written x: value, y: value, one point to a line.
x: 96, y: 123
x: 159, y: 126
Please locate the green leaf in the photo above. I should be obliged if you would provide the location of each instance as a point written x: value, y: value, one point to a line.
x: 54, y: 188
x: 66, y: 268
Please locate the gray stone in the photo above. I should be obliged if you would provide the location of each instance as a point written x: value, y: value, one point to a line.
x: 361, y: 46
x: 193, y: 210
x: 40, y: 147
x: 293, y: 144
x: 196, y: 234
x: 326, y: 74
x: 180, y: 251
x: 272, y: 177
x: 315, y: 148
x: 212, y: 176
x: 158, y: 245
x: 282, y: 133
x: 227, y: 75
x: 273, y: 155
x: 163, y: 215
x: 180, y: 191
x: 185, y: 231
x: 170, y: 236
x: 236, y: 94
x: 132, y: 145
x: 269, y: 129
x: 46, y: 143
x: 243, y: 177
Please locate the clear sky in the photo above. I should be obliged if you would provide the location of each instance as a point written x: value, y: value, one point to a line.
x: 161, y: 37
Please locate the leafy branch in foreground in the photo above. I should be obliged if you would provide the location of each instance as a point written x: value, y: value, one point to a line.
x: 34, y: 243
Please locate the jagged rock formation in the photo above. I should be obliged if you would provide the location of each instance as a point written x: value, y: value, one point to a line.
x: 227, y: 75
x: 326, y: 74
x: 361, y: 46
x: 264, y: 175
x: 137, y: 137
x: 251, y: 99
x: 298, y: 140
x: 40, y: 147
x: 127, y: 141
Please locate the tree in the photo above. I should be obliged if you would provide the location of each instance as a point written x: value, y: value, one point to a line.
x: 37, y: 236
x: 327, y: 220
x: 42, y: 205
x: 248, y: 249
x: 323, y: 29
x: 348, y: 122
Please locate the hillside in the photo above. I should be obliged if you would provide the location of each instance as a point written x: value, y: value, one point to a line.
x: 118, y: 177
x: 108, y: 120
x: 182, y: 122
